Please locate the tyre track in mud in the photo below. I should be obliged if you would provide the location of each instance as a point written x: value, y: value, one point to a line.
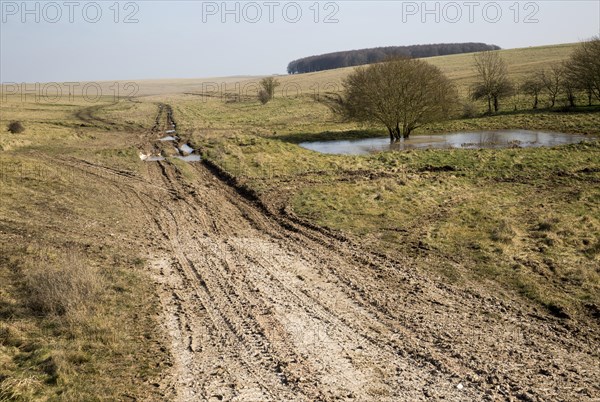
x: 505, y: 347
x: 216, y: 297
x: 255, y: 221
x: 431, y: 339
x: 232, y: 299
x: 258, y: 305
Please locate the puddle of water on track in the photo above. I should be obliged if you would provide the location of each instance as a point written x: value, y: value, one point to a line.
x: 188, y: 158
x: 154, y: 159
x: 186, y: 149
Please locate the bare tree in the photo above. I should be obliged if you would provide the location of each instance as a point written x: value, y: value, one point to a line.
x: 533, y: 86
x: 583, y: 68
x: 268, y: 86
x: 493, y: 83
x: 553, y: 80
x: 401, y: 94
x: 570, y: 86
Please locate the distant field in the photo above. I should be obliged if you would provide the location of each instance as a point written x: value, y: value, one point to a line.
x: 457, y: 67
x: 299, y: 89
x: 520, y: 62
x: 47, y: 92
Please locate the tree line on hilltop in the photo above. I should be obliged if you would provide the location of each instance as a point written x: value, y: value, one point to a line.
x: 375, y: 55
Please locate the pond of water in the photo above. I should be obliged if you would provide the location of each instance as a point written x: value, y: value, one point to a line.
x: 466, y: 140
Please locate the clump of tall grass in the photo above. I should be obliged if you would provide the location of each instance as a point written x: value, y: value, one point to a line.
x: 503, y: 233
x: 18, y: 389
x: 65, y: 287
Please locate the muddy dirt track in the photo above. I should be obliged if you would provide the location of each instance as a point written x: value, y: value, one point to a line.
x: 257, y: 306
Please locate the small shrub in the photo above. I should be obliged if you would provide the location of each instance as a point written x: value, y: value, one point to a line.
x: 16, y: 127
x: 264, y: 97
x: 469, y: 110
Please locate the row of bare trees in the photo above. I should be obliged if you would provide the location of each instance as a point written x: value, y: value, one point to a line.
x: 578, y: 75
x: 403, y: 94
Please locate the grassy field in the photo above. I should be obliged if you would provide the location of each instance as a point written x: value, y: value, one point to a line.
x: 75, y: 304
x: 527, y: 219
x: 76, y: 307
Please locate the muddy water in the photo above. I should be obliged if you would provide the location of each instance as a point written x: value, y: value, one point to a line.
x: 188, y: 158
x: 184, y: 152
x: 466, y: 140
x: 186, y: 149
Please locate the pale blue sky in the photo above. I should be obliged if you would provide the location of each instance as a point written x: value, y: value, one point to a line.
x: 189, y: 39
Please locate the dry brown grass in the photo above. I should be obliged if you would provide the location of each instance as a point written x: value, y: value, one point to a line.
x: 76, y: 310
x: 15, y: 389
x: 68, y: 287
